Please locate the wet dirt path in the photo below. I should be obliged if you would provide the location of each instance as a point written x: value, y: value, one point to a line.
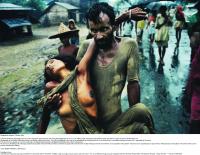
x: 162, y: 86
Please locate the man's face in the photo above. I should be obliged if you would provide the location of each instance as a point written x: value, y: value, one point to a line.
x: 71, y: 25
x: 64, y: 40
x: 102, y: 31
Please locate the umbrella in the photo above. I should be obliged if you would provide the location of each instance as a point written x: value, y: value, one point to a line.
x: 142, y: 3
x: 157, y: 5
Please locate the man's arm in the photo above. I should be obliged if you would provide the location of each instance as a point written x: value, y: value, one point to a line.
x: 133, y: 90
x: 52, y: 104
x: 133, y: 14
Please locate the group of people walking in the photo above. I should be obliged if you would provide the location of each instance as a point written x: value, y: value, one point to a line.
x: 157, y: 25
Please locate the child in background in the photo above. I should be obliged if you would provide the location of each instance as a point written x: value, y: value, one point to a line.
x: 75, y: 38
x: 151, y: 27
x: 180, y: 20
x: 139, y: 30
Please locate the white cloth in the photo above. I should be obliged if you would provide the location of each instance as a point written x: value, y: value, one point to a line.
x: 127, y: 28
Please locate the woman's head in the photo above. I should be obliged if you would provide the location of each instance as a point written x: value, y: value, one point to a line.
x: 179, y: 8
x: 55, y: 64
x: 71, y: 24
x: 163, y: 10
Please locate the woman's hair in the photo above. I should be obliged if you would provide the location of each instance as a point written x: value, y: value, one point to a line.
x: 154, y: 12
x: 96, y: 9
x: 69, y: 61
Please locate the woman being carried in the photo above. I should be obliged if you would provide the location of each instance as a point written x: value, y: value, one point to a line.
x: 57, y: 70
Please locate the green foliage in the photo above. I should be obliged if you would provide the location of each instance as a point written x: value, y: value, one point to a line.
x: 17, y: 2
x: 36, y: 4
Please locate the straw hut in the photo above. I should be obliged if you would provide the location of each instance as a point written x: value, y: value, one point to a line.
x: 58, y: 12
x: 83, y: 6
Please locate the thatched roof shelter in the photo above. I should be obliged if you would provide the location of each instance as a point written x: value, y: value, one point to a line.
x: 59, y: 12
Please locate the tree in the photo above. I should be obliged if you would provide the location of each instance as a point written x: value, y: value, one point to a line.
x: 36, y: 4
x: 17, y: 2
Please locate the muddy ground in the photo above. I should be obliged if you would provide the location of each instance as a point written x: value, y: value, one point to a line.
x: 21, y: 82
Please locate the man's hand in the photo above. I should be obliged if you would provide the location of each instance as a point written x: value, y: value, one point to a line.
x: 133, y: 14
x: 53, y: 103
x: 137, y: 14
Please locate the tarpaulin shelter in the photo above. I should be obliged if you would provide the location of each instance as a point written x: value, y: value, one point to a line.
x: 13, y: 19
x: 142, y: 3
x: 158, y: 4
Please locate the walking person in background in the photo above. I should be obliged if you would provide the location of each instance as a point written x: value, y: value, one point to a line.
x: 127, y: 28
x: 162, y: 33
x: 64, y: 33
x: 151, y: 27
x: 180, y: 20
x: 75, y: 38
x: 139, y: 30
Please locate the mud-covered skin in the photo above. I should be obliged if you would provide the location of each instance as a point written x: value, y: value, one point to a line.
x: 125, y: 63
